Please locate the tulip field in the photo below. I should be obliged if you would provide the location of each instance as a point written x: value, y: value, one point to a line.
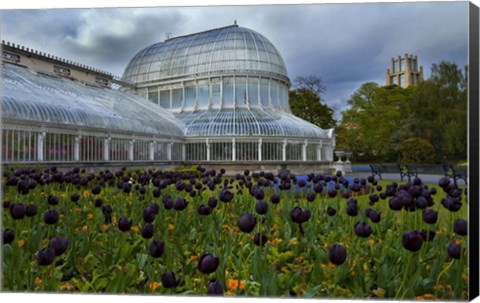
x: 196, y: 231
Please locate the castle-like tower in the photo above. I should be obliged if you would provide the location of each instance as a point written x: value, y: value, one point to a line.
x: 404, y: 71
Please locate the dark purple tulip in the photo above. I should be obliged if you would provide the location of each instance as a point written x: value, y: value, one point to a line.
x: 310, y: 197
x: 452, y: 204
x: 395, y: 204
x: 204, y: 210
x: 98, y: 202
x: 332, y: 193
x: 302, y: 183
x: 59, y: 245
x: 212, y: 202
x: 180, y: 204
x: 50, y: 216
x: 148, y: 215
x: 124, y: 224
x: 96, y: 189
x: 427, y: 236
x: 454, y: 250
x: 375, y: 216
x: 107, y: 213
x: 6, y: 204
x: 226, y: 195
x: 156, y: 248
x: 53, y: 200
x: 259, y: 194
x: 167, y: 202
x: 352, y: 209
x: 46, y: 256
x: 444, y: 182
x: 31, y: 210
x: 155, y: 208
x: 147, y: 230
x: 421, y: 203
x: 207, y: 263
x: 318, y: 188
x: 331, y: 211
x: 337, y: 254
x: 261, y: 207
x: 275, y: 198
x: 75, y: 197
x: 460, y: 227
x: 169, y: 281
x: 430, y: 216
x: 8, y: 236
x: 412, y: 240
x: 363, y: 229
x: 299, y: 216
x: 215, y: 288
x: 18, y: 210
x: 260, y: 239
x: 247, y: 222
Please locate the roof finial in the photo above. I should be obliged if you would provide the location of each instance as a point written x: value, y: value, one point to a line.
x: 235, y: 22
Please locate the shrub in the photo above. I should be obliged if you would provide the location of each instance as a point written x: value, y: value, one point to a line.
x: 416, y: 151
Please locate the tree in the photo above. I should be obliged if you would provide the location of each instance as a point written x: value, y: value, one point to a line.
x: 306, y: 104
x: 312, y: 83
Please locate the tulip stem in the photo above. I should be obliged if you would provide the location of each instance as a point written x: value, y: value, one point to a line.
x: 405, y: 275
x: 438, y: 278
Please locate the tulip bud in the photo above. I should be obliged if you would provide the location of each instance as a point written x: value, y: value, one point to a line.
x: 260, y: 239
x: 412, y: 240
x: 168, y: 280
x: 454, y: 250
x: 247, y: 222
x: 147, y: 230
x: 363, y: 229
x: 53, y: 200
x: 275, y: 198
x: 156, y: 248
x: 51, y: 216
x: 261, y: 207
x: 460, y: 227
x: 207, y: 263
x: 337, y: 254
x: 204, y: 210
x: 31, y: 210
x: 18, y: 211
x: 180, y: 204
x: 124, y: 224
x: 59, y: 245
x: 215, y: 288
x: 331, y: 211
x: 429, y: 216
x: 46, y: 256
x: 8, y: 236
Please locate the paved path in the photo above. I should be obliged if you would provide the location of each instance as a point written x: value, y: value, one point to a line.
x: 396, y: 177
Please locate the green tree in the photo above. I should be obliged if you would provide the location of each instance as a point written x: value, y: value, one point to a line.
x: 306, y: 104
x: 416, y: 151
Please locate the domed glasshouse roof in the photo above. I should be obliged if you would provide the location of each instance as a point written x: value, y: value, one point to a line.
x: 221, y: 50
x: 36, y: 97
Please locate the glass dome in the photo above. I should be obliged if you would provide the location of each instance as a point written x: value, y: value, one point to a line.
x: 28, y: 96
x: 230, y: 48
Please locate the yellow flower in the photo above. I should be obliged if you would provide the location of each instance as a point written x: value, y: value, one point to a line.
x: 379, y: 292
x: 292, y: 241
x: 193, y: 257
x: 21, y: 243
x: 38, y: 280
x: 170, y: 226
x: 153, y: 286
x: 234, y: 284
x: 135, y: 229
x: 104, y: 227
x: 85, y: 227
x: 86, y: 193
x: 371, y: 241
x: 90, y: 216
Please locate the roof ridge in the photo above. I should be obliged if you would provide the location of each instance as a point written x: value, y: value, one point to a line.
x: 202, y: 32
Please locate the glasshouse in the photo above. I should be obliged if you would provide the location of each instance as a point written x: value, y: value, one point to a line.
x: 216, y: 96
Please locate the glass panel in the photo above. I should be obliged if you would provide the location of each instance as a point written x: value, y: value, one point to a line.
x: 402, y: 64
x: 272, y: 151
x: 274, y: 93
x: 294, y: 151
x: 240, y: 90
x: 153, y: 96
x: 177, y: 95
x: 177, y: 151
x: 402, y: 80
x: 165, y: 98
x: 190, y: 95
x: 58, y: 147
x: 228, y: 91
x: 216, y: 91
x: 203, y: 93
x: 253, y: 91
x: 264, y: 92
x: 312, y: 152
x: 91, y: 148
x: 140, y: 150
x: 246, y: 151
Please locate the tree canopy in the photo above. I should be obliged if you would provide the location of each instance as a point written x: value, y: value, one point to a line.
x: 379, y: 119
x: 306, y: 104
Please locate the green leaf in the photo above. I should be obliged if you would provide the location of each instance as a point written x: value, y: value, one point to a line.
x: 312, y: 291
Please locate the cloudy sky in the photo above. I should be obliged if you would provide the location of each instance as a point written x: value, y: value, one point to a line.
x: 345, y: 44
